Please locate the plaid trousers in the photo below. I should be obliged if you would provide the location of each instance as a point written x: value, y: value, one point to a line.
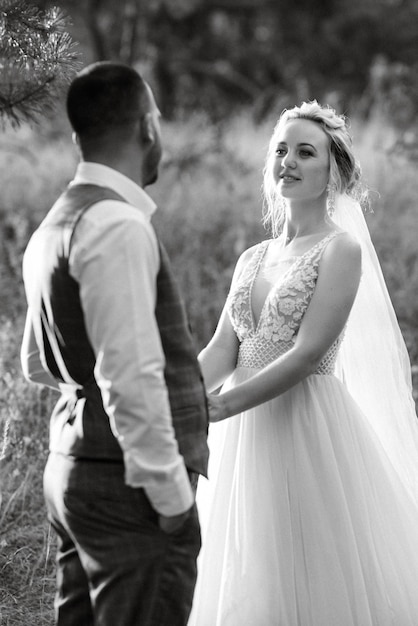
x: 115, y: 566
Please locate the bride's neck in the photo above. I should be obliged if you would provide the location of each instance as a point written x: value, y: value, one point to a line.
x: 303, y: 220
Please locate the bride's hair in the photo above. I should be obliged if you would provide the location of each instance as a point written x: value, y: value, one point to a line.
x: 345, y: 172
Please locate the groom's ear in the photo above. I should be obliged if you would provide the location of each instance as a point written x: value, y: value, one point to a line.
x: 147, y: 129
x: 75, y: 139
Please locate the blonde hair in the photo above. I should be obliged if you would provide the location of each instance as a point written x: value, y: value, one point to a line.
x: 344, y: 174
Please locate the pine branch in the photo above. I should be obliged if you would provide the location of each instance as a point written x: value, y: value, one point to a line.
x: 37, y: 60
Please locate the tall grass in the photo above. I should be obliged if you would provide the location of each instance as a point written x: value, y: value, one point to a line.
x: 209, y: 211
x: 26, y: 559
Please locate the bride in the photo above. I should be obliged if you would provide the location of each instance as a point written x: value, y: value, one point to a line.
x: 310, y: 514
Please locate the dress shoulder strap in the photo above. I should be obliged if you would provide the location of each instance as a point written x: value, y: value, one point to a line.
x: 315, y: 253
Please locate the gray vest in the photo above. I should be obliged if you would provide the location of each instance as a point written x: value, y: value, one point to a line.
x: 80, y: 426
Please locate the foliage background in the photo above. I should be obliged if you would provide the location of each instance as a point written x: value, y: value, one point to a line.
x: 222, y: 70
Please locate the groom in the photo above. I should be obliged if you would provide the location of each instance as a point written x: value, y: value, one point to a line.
x: 106, y: 326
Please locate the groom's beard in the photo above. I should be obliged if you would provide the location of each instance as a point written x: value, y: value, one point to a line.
x: 152, y: 164
x: 151, y: 181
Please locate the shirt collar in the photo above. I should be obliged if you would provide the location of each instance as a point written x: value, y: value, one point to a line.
x: 97, y: 174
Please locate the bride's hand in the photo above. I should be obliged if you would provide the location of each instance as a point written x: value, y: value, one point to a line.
x: 217, y: 408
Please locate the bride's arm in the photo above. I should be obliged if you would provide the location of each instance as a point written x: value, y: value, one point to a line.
x: 324, y: 320
x: 218, y: 359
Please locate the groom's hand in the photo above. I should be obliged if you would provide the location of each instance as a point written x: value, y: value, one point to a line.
x: 217, y: 408
x: 174, y: 522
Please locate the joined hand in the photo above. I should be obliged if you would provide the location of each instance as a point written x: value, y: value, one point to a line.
x: 217, y: 408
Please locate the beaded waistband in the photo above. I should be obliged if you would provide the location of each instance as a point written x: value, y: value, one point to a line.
x: 256, y: 352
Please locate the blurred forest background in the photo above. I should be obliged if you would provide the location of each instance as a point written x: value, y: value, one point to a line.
x: 222, y: 71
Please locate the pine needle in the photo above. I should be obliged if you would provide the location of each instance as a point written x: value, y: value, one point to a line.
x: 37, y: 60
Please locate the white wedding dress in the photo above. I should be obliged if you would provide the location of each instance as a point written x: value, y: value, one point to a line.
x: 305, y: 520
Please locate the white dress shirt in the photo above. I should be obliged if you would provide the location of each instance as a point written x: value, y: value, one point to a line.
x: 115, y: 259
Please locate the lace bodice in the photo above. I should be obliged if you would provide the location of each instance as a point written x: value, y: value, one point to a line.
x: 282, y: 311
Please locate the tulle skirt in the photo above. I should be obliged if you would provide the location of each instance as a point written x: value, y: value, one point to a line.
x: 304, y: 520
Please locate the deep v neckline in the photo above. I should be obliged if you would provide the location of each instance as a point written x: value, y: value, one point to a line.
x: 295, y: 259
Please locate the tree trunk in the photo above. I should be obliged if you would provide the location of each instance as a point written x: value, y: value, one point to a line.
x: 131, y: 12
x: 97, y: 36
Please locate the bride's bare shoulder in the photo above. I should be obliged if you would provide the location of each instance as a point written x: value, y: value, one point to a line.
x: 345, y: 240
x: 249, y: 252
x: 246, y: 257
x: 344, y: 248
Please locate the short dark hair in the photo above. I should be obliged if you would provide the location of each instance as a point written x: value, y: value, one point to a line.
x: 104, y: 96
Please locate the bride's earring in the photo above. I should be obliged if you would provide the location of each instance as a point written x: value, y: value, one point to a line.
x: 330, y: 199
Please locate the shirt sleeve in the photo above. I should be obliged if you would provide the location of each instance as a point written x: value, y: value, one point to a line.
x: 30, y: 358
x: 115, y: 260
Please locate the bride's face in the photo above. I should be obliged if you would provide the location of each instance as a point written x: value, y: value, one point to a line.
x: 301, y: 166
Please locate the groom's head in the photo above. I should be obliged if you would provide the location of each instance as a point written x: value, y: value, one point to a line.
x: 115, y: 118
